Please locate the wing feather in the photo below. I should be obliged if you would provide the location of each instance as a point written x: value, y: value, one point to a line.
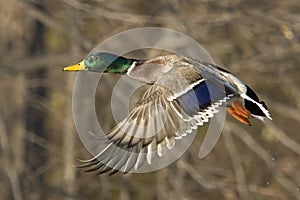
x: 152, y: 127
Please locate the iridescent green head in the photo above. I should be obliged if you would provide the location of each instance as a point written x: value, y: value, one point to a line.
x: 103, y: 62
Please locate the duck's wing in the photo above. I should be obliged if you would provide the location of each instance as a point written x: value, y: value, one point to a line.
x: 161, y: 116
x: 257, y: 108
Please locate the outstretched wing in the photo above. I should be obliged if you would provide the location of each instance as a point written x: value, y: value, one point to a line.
x: 151, y: 128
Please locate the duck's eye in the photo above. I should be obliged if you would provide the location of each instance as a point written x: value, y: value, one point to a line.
x: 91, y: 61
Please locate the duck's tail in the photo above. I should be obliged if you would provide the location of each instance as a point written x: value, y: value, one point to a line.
x: 252, y: 108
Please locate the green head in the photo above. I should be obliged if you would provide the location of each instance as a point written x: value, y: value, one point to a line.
x: 102, y: 62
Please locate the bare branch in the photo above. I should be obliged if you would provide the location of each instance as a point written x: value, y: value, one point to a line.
x: 236, y: 161
x: 264, y: 155
x: 283, y: 137
x: 9, y: 167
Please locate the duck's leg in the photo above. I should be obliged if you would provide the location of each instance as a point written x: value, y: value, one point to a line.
x: 239, y: 112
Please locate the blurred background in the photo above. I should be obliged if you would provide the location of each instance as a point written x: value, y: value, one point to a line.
x: 256, y: 40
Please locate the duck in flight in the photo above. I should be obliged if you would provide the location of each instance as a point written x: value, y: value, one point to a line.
x: 184, y: 93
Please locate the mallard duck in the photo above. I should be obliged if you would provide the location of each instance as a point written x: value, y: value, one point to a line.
x: 187, y: 90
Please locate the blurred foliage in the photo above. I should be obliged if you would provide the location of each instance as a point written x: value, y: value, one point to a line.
x: 256, y: 40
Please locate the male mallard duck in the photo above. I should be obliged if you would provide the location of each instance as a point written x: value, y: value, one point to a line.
x: 189, y: 92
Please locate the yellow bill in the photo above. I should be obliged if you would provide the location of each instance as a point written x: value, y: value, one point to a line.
x: 78, y: 67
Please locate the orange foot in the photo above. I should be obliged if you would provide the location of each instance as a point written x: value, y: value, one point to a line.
x: 239, y: 112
